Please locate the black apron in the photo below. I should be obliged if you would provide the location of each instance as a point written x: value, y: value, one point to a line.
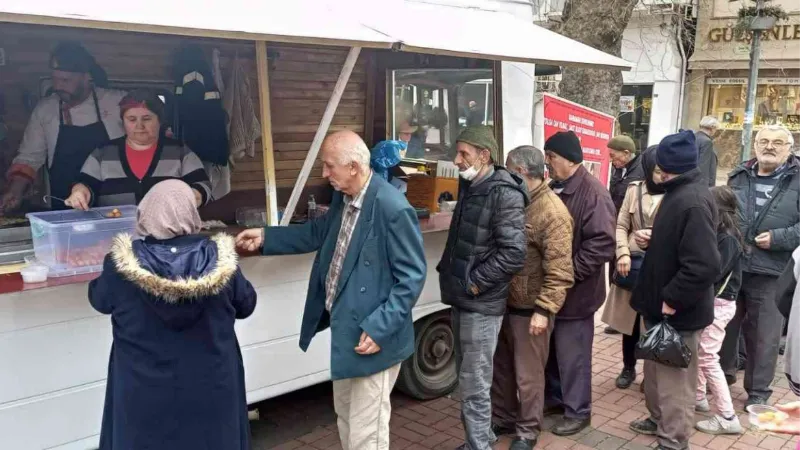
x: 73, y: 146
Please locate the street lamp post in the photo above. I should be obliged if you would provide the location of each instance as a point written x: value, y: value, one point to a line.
x: 752, y: 84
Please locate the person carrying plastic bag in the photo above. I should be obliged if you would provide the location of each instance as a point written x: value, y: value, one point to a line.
x: 676, y: 280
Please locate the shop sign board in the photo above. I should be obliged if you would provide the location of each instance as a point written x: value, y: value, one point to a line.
x: 594, y: 129
x: 743, y: 80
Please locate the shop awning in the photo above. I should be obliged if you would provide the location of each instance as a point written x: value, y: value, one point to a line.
x: 402, y: 25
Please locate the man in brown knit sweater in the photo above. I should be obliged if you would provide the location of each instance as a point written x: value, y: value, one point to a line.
x: 536, y: 295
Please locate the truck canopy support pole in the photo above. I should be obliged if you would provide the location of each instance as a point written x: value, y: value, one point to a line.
x: 322, y: 131
x: 268, y: 148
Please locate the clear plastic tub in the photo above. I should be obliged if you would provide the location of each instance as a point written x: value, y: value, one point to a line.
x: 74, y: 242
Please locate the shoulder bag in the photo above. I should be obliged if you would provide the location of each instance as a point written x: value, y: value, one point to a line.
x: 637, y: 258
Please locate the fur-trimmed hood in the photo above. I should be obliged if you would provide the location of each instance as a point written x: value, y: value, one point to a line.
x: 179, y: 270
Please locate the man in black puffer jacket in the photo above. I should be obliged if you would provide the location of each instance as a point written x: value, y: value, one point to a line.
x: 677, y: 280
x: 486, y: 247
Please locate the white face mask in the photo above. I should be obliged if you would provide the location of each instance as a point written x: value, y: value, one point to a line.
x: 470, y: 173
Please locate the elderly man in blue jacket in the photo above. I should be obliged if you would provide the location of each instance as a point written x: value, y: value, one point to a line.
x: 367, y: 275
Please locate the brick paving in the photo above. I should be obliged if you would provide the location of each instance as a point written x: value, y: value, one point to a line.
x: 305, y: 420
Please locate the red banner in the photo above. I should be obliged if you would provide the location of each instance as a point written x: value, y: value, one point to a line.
x: 594, y: 129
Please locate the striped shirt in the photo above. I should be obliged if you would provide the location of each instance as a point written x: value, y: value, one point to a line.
x: 764, y: 186
x: 352, y: 211
x: 108, y: 174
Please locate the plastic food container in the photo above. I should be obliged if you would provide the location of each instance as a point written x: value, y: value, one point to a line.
x: 763, y: 415
x: 74, y: 242
x: 34, y: 273
x: 251, y: 217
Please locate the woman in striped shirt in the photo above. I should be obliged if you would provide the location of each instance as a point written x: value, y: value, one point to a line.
x: 122, y: 171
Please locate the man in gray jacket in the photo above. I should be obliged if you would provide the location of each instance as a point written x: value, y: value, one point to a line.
x: 706, y: 156
x: 768, y: 190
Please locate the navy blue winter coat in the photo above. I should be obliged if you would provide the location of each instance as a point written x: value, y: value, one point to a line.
x: 175, y: 375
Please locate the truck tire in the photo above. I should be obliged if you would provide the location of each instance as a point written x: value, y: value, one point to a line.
x: 431, y: 371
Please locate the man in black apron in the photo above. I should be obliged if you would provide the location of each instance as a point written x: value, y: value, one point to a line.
x: 74, y: 145
x: 75, y: 76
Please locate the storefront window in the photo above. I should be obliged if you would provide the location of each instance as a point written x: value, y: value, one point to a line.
x: 432, y: 106
x: 635, y: 108
x: 777, y: 102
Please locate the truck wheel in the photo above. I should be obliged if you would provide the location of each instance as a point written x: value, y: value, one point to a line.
x: 431, y: 371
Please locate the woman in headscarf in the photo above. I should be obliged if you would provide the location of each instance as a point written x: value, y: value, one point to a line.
x: 636, y: 215
x: 175, y: 374
x: 125, y: 169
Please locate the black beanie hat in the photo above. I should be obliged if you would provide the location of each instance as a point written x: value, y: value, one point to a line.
x: 677, y: 153
x: 71, y: 56
x: 567, y: 145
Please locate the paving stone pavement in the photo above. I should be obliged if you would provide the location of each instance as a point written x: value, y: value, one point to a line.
x: 305, y: 420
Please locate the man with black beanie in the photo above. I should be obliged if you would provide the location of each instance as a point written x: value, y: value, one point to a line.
x: 675, y: 284
x: 568, y: 388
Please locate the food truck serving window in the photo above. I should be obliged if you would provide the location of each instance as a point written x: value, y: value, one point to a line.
x: 432, y: 106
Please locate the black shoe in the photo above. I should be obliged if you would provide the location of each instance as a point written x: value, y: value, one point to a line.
x: 610, y: 330
x: 755, y: 400
x: 626, y: 378
x: 502, y: 431
x: 569, y: 427
x: 731, y: 379
x: 522, y: 444
x: 645, y: 426
x: 554, y: 411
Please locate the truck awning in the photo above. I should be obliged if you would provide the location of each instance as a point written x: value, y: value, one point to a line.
x: 479, y: 33
x: 400, y: 24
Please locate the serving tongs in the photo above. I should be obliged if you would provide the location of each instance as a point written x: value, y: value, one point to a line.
x: 91, y: 210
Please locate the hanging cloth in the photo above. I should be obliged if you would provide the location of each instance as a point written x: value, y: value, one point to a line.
x: 198, y: 119
x: 245, y: 128
x: 219, y: 176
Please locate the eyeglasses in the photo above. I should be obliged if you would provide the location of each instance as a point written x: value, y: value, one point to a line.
x: 776, y: 143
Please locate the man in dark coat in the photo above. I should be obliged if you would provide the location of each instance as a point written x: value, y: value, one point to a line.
x: 486, y: 247
x: 676, y: 280
x: 768, y: 190
x: 707, y: 156
x: 569, y: 368
x: 367, y: 276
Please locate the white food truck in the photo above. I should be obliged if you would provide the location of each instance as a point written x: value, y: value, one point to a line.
x: 314, y: 66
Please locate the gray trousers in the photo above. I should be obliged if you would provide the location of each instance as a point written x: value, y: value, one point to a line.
x: 569, y: 368
x: 759, y: 321
x: 476, y: 338
x: 670, y: 397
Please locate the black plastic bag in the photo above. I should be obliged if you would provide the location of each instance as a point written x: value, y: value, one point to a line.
x: 664, y: 345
